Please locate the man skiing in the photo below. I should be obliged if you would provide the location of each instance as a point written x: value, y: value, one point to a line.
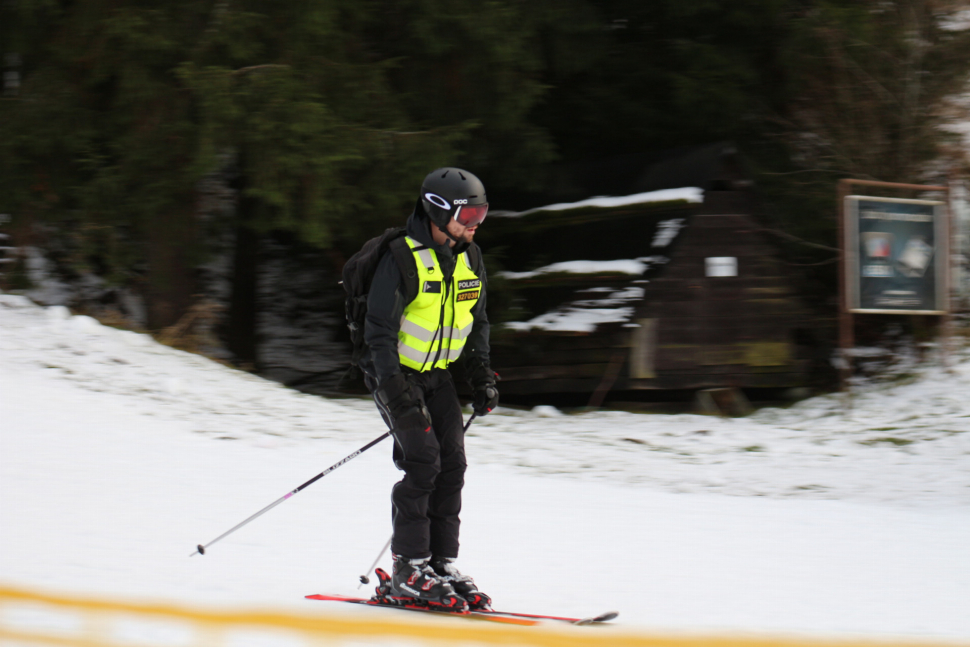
x: 409, y: 345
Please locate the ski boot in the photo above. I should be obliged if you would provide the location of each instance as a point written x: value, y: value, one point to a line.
x: 413, y: 583
x: 462, y: 584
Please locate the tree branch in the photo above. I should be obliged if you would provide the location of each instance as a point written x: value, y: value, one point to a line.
x: 798, y: 240
x: 264, y: 66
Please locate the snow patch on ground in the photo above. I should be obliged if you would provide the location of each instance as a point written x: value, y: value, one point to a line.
x: 902, y: 442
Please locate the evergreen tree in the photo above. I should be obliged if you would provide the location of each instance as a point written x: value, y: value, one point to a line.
x: 99, y: 145
x: 328, y: 114
x: 125, y: 106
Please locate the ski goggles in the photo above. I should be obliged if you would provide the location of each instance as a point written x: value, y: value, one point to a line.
x: 471, y: 215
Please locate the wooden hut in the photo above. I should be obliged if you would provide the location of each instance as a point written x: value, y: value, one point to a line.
x: 671, y: 288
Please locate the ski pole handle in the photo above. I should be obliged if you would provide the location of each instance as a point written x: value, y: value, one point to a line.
x: 200, y: 549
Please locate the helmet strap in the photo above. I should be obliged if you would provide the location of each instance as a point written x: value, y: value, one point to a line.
x: 448, y: 234
x: 445, y: 231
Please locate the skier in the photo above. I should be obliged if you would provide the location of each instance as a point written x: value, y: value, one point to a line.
x: 409, y: 345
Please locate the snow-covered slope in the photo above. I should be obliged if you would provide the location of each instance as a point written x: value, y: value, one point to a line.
x: 118, y: 456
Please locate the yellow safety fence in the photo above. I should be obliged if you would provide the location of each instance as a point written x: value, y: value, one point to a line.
x: 30, y: 618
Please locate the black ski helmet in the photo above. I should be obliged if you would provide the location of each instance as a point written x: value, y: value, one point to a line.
x: 453, y: 194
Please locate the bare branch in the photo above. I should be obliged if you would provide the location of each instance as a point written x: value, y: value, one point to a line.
x: 798, y: 240
x: 251, y: 68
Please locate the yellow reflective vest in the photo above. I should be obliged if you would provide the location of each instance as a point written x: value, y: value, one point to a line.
x: 437, y: 322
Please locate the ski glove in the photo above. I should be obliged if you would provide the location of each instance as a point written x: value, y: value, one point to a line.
x: 407, y: 411
x: 481, y: 378
x: 486, y: 399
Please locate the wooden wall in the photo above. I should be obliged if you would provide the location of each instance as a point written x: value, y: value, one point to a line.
x: 722, y: 331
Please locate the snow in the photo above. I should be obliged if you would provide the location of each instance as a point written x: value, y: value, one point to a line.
x: 119, y: 455
x: 47, y: 288
x: 584, y: 315
x: 570, y: 319
x: 634, y: 266
x: 957, y: 21
x: 687, y: 194
x: 667, y: 230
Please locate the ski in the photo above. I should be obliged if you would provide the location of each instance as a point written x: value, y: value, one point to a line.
x: 383, y: 598
x: 510, y: 617
x: 489, y: 616
x: 592, y: 620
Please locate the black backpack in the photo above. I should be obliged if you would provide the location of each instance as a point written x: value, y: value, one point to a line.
x: 358, y: 273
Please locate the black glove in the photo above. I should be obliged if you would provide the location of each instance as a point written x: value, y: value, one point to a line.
x: 486, y: 399
x: 406, y: 409
x: 482, y: 379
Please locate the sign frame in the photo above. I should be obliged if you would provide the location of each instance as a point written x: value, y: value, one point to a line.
x: 843, y: 361
x: 938, y: 264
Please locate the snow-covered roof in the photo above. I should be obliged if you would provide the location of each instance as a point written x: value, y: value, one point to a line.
x: 634, y: 266
x: 691, y: 194
x: 644, y: 245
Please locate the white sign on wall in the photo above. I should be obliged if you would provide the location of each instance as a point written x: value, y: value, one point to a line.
x: 721, y: 266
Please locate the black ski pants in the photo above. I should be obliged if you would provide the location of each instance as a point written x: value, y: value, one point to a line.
x: 426, y: 502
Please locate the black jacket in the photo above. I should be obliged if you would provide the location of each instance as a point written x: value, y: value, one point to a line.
x: 386, y: 303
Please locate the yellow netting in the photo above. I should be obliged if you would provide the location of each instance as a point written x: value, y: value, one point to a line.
x: 34, y: 618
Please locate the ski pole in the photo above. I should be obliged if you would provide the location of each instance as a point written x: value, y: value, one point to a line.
x: 365, y: 578
x: 200, y: 549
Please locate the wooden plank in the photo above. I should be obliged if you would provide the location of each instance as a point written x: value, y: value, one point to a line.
x: 558, y: 357
x: 540, y: 341
x: 535, y: 387
x: 643, y: 352
x: 548, y: 372
x: 758, y: 352
x: 704, y: 381
x: 666, y: 381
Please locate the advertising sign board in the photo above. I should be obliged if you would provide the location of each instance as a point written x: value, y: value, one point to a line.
x: 896, y: 255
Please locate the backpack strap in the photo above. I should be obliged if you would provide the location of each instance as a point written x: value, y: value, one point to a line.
x: 474, y: 259
x: 405, y: 263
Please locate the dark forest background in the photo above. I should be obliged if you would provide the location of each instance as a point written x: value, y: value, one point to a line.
x: 139, y: 140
